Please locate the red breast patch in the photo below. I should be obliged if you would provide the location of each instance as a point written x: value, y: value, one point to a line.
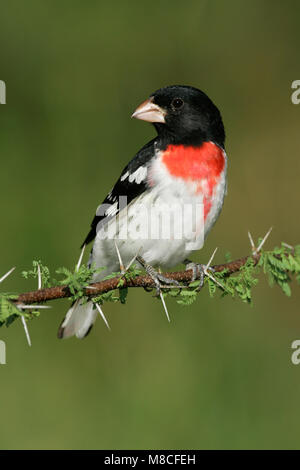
x: 204, y: 163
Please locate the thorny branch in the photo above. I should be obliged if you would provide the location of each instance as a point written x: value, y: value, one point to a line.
x: 61, y: 292
x: 278, y: 264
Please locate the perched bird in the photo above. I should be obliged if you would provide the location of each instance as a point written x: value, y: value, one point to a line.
x: 183, y: 166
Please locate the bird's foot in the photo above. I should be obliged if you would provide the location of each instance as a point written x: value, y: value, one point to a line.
x: 199, y: 271
x: 159, y: 279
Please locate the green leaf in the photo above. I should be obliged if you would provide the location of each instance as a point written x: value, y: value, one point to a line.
x: 187, y: 297
x: 33, y: 273
x: 77, y: 281
x: 8, y: 311
x: 123, y: 292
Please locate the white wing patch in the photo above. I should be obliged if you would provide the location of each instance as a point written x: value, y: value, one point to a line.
x: 110, y: 197
x: 124, y: 176
x: 139, y: 175
x: 112, y: 210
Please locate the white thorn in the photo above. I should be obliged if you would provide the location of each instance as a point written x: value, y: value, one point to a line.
x: 251, y: 241
x: 35, y: 307
x: 102, y: 315
x: 132, y: 261
x: 119, y: 257
x: 26, y: 330
x: 164, y: 305
x: 263, y: 240
x: 211, y: 258
x: 39, y: 277
x: 80, y: 258
x: 214, y: 279
x: 288, y: 246
x: 7, y: 274
x: 207, y: 273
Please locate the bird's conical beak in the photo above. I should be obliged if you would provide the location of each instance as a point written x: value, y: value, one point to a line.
x: 149, y: 111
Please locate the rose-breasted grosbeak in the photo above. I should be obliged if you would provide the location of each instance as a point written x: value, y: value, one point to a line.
x: 184, y: 165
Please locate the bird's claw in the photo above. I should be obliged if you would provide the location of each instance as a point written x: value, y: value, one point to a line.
x: 199, y: 271
x: 158, y: 278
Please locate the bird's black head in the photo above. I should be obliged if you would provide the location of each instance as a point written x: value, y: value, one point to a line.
x: 183, y: 115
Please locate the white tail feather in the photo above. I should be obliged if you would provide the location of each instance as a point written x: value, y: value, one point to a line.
x: 78, y: 320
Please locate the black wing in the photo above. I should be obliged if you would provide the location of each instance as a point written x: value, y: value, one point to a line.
x: 132, y: 183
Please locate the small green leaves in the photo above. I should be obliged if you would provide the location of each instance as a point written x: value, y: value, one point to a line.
x: 280, y: 265
x: 187, y: 297
x: 123, y: 292
x: 37, y: 267
x: 240, y: 284
x: 106, y: 297
x: 8, y: 311
x: 78, y: 280
x: 212, y: 287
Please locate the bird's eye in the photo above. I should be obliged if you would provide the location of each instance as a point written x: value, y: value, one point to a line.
x: 177, y: 103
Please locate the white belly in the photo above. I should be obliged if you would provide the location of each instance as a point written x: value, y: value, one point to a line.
x: 164, y: 225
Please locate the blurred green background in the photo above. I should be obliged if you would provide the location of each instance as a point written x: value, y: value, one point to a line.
x: 220, y: 375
